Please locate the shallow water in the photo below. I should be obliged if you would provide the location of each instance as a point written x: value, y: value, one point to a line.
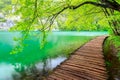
x: 31, y: 56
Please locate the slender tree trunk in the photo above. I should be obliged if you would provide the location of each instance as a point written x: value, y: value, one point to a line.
x: 114, y: 23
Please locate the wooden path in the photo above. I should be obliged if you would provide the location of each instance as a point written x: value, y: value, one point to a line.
x: 86, y: 63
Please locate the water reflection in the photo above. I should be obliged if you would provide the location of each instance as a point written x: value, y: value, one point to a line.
x: 20, y: 72
x: 41, y: 69
x: 7, y: 71
x: 50, y: 63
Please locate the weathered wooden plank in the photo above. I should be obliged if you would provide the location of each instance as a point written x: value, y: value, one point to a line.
x: 92, y: 62
x: 82, y: 69
x: 88, y: 58
x: 79, y: 75
x: 82, y: 73
x: 88, y: 54
x: 86, y: 65
x: 68, y: 73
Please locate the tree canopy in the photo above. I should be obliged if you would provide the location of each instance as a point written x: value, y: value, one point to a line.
x: 67, y: 14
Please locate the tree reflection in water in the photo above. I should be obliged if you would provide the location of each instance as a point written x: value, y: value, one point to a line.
x: 38, y: 71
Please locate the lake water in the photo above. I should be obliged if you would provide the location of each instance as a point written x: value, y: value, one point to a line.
x: 27, y: 58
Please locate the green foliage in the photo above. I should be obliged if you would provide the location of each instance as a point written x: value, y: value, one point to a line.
x: 112, y: 56
x: 44, y: 15
x: 116, y: 42
x: 5, y: 6
x: 112, y: 44
x: 40, y: 14
x: 2, y: 20
x: 108, y: 63
x: 18, y: 48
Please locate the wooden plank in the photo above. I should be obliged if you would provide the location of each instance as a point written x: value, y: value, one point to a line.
x: 86, y: 65
x: 67, y: 73
x: 88, y: 58
x: 88, y: 54
x: 82, y: 69
x: 84, y: 74
x: 91, y: 73
x: 80, y: 74
x: 92, y: 62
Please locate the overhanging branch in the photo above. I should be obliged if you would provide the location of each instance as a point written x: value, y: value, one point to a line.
x: 111, y: 5
x: 103, y: 5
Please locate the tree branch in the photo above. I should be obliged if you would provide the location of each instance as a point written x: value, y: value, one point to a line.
x: 111, y: 5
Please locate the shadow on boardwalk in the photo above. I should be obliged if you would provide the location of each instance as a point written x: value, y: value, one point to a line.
x: 86, y: 63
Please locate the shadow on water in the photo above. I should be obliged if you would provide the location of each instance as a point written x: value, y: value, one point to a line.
x: 32, y: 62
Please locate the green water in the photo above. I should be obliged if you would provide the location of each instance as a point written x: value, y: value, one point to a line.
x: 32, y: 55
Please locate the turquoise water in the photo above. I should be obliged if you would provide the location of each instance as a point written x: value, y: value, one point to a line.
x: 33, y: 55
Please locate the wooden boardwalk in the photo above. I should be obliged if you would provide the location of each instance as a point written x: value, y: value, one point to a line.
x: 86, y: 63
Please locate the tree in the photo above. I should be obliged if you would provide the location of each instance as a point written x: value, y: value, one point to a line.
x: 3, y: 4
x: 41, y: 14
